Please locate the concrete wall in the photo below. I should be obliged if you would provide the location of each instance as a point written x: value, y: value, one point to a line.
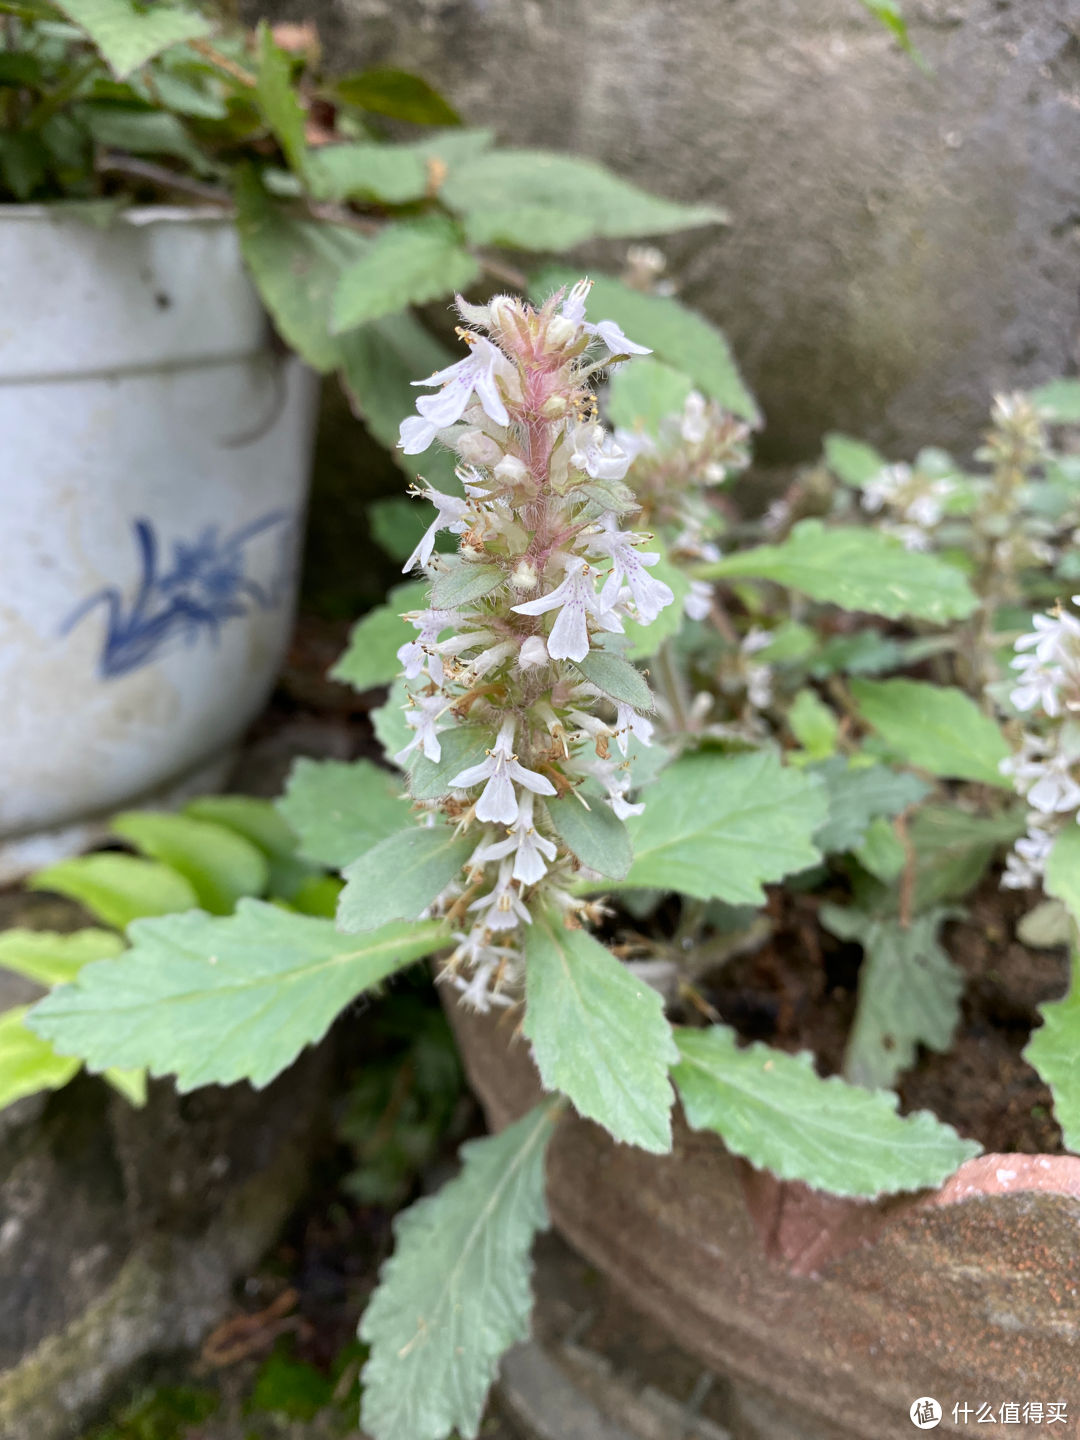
x: 900, y: 245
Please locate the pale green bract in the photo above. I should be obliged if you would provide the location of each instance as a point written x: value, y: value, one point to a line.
x: 858, y: 569
x: 678, y: 336
x: 774, y: 1110
x: 718, y: 827
x: 461, y: 584
x: 909, y: 992
x: 617, y: 678
x: 598, y: 1033
x: 410, y: 263
x: 340, y: 810
x: 401, y: 876
x: 127, y: 37
x: 213, y: 1001
x: 937, y: 727
x: 370, y: 658
x: 456, y: 1292
x: 118, y: 888
x: 595, y: 834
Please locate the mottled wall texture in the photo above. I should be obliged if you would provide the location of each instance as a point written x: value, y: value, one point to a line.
x: 900, y: 246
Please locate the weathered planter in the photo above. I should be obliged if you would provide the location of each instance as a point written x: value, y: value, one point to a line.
x: 834, y: 1315
x: 155, y: 460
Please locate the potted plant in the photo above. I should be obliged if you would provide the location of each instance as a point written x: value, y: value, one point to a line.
x: 158, y: 438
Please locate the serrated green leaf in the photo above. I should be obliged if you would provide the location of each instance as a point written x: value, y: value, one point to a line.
x: 909, y: 992
x: 616, y: 678
x: 720, y: 826
x: 49, y: 958
x: 401, y: 876
x: 1058, y: 402
x: 852, y: 461
x: 398, y: 95
x: 641, y: 395
x: 938, y: 728
x: 774, y: 1110
x: 277, y: 100
x: 370, y: 658
x: 456, y: 1292
x: 213, y: 1001
x: 462, y: 748
x: 410, y: 263
x: 677, y: 335
x: 1054, y: 1051
x: 220, y: 864
x: 118, y: 888
x: 28, y: 1063
x: 598, y: 1033
x: 537, y: 200
x: 340, y: 811
x: 645, y: 640
x: 464, y: 583
x: 858, y: 569
x: 596, y: 836
x: 859, y: 795
x: 1062, y: 879
x: 813, y: 724
x: 296, y: 265
x: 127, y: 37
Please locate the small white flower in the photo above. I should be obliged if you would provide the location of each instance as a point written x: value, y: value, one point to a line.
x: 498, y: 802
x: 576, y: 600
x: 480, y: 372
x: 628, y: 723
x: 423, y: 717
x: 533, y: 652
x: 502, y: 908
x: 694, y: 422
x: 1025, y: 864
x: 650, y: 596
x: 615, y: 779
x: 414, y: 653
x: 699, y: 600
x: 596, y: 452
x: 451, y: 516
x: 573, y: 309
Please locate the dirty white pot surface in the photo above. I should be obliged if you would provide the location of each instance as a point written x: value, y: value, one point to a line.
x: 154, y: 462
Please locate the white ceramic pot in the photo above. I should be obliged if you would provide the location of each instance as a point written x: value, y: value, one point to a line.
x: 154, y: 460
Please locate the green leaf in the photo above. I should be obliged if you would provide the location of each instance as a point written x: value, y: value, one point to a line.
x: 851, y: 460
x: 953, y: 849
x: 462, y: 584
x: 24, y: 162
x: 596, y: 836
x: 909, y: 992
x: 339, y: 810
x: 890, y: 15
x: 641, y: 395
x: 398, y: 95
x: 401, y: 876
x: 857, y: 796
x: 1047, y: 926
x: 127, y: 37
x: 296, y: 265
x: 1058, y: 402
x: 645, y: 640
x: 260, y: 822
x: 882, y: 852
x: 277, y: 99
x: 456, y: 1292
x: 118, y: 888
x: 49, y: 959
x: 1054, y: 1051
x: 677, y: 335
x: 938, y: 728
x: 461, y: 749
x: 617, y: 678
x: 393, y: 174
x: 858, y: 569
x: 371, y: 656
x: 774, y: 1110
x: 813, y: 724
x: 719, y: 826
x: 219, y: 863
x: 537, y: 200
x: 598, y: 1033
x: 1062, y: 878
x: 410, y: 263
x: 28, y: 1063
x: 142, y: 132
x: 131, y: 1084
x: 379, y: 361
x: 213, y: 1001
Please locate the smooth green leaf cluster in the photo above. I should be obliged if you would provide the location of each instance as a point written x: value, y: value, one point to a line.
x: 776, y: 1111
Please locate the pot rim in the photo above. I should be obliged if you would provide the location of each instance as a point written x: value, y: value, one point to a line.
x: 133, y: 215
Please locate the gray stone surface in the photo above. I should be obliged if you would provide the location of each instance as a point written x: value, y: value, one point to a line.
x: 900, y: 245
